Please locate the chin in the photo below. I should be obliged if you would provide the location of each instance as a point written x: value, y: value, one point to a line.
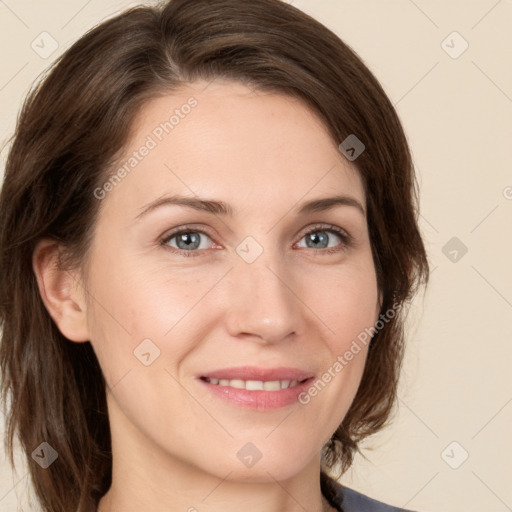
x: 265, y: 473
x: 265, y: 464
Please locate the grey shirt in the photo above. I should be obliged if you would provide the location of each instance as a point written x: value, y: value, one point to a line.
x: 354, y: 501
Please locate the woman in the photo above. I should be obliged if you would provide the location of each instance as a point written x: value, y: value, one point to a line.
x: 208, y: 235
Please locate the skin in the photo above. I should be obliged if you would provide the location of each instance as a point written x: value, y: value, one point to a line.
x: 175, y: 444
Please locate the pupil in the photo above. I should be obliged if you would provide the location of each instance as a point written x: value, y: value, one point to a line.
x: 186, y: 238
x: 316, y: 238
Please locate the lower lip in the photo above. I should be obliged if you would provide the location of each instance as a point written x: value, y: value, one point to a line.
x: 258, y: 400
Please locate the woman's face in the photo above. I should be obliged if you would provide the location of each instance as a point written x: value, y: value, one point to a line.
x: 240, y: 296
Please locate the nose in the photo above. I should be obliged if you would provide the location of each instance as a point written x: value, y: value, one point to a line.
x: 262, y: 302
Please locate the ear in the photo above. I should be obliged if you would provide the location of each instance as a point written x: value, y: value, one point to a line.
x: 61, y: 292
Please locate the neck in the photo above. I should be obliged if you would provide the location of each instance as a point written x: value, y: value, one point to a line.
x: 255, y: 499
x: 182, y: 488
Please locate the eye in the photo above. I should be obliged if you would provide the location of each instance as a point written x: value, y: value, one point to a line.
x: 320, y: 236
x: 187, y: 240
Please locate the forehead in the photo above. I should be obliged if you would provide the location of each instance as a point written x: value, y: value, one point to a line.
x: 225, y: 140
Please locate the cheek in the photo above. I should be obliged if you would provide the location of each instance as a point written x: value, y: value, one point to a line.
x: 131, y: 304
x: 346, y: 299
x: 124, y: 312
x: 348, y: 308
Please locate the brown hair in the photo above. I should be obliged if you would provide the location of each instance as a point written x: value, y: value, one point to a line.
x: 72, y: 125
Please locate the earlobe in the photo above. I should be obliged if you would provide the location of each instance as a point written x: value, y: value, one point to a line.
x: 61, y: 292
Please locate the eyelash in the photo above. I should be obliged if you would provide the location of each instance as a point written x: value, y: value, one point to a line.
x: 346, y: 239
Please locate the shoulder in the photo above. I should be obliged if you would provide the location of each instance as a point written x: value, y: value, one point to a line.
x: 354, y: 501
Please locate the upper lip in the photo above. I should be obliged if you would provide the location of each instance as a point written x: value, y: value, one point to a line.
x: 257, y: 373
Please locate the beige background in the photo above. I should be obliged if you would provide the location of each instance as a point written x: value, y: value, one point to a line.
x: 457, y: 112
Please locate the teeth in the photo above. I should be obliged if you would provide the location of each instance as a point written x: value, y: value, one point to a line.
x: 253, y: 385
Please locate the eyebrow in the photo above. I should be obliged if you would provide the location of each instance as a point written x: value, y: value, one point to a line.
x: 221, y: 208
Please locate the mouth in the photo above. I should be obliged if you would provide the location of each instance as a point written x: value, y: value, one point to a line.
x: 258, y: 388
